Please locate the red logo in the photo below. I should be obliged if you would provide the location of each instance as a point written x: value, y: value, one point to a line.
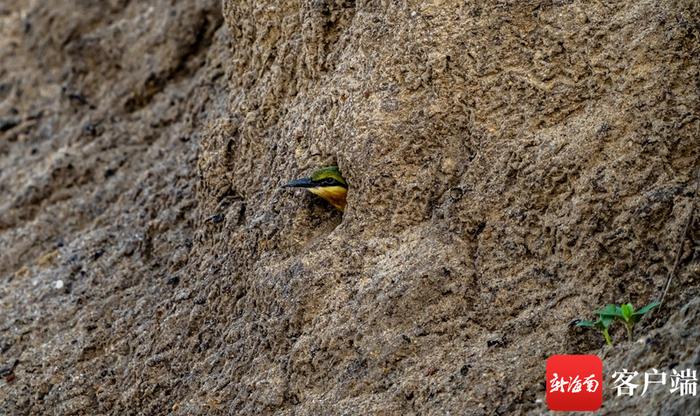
x: 574, y: 382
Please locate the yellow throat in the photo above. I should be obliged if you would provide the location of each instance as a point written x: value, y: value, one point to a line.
x: 335, y: 195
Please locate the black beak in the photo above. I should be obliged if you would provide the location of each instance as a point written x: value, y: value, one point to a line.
x: 300, y: 183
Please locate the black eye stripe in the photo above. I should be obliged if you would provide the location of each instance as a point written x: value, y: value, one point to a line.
x: 330, y: 182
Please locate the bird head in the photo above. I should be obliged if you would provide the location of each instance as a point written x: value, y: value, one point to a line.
x: 327, y: 183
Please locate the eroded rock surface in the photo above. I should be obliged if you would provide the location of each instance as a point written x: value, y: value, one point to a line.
x: 513, y: 166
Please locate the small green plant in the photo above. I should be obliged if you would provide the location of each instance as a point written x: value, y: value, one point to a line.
x: 602, y: 324
x: 628, y: 315
x: 624, y: 313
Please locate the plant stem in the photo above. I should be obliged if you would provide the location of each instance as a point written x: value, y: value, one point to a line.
x: 682, y: 240
x: 629, y: 331
x: 607, y: 337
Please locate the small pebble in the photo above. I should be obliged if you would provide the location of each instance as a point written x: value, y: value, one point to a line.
x: 58, y: 284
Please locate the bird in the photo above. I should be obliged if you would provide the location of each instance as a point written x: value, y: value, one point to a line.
x: 328, y: 183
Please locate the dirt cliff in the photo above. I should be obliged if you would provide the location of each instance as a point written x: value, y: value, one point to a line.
x: 513, y: 166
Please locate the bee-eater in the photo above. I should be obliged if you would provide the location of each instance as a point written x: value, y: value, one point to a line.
x: 327, y: 183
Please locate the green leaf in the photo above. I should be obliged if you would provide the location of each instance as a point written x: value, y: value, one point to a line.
x: 587, y: 324
x: 627, y: 311
x: 610, y: 310
x: 606, y: 320
x: 647, y: 308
